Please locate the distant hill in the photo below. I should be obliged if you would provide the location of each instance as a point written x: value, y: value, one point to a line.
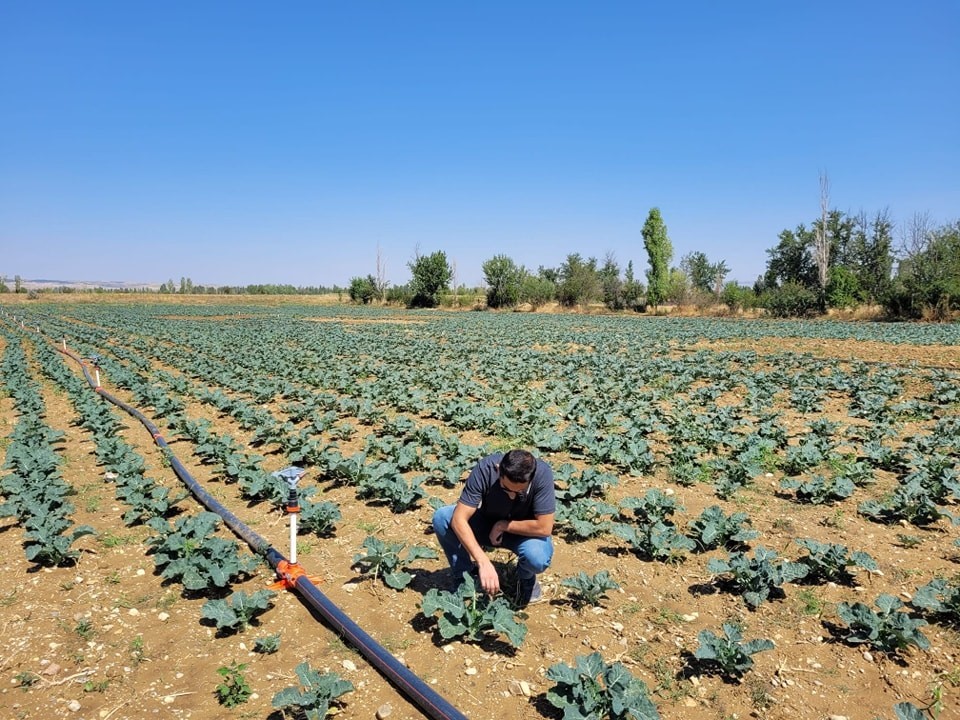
x: 86, y: 284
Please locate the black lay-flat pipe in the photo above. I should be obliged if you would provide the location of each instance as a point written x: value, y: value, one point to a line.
x: 416, y: 690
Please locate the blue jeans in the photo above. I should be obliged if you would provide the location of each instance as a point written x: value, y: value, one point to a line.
x: 533, y: 553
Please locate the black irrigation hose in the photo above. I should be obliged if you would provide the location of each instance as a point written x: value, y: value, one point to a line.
x: 432, y: 704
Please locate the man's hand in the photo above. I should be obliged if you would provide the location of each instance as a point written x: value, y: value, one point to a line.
x: 489, y: 580
x: 497, y: 531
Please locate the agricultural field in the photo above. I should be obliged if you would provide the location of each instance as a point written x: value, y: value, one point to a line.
x: 756, y: 519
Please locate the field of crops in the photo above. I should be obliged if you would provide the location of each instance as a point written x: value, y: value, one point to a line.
x: 755, y: 518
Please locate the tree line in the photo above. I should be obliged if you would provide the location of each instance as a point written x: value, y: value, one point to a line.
x: 185, y: 287
x: 836, y: 261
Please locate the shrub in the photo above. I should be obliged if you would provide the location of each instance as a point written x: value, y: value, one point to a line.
x: 738, y: 297
x: 790, y: 300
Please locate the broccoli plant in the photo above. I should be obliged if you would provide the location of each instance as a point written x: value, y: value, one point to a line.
x: 656, y: 541
x: 588, y: 484
x: 472, y: 613
x: 653, y: 506
x: 319, y: 518
x: 382, y: 482
x: 238, y: 611
x: 147, y: 499
x: 584, y: 518
x: 189, y: 552
x: 382, y: 559
x: 756, y: 578
x: 831, y: 562
x: 941, y: 598
x: 590, y: 589
x: 886, y: 631
x: 315, y: 693
x: 908, y: 711
x: 803, y: 457
x: 910, y: 501
x: 652, y: 534
x: 47, y: 540
x: 593, y: 688
x: 728, y: 655
x: 818, y: 490
x: 267, y: 645
x: 712, y: 529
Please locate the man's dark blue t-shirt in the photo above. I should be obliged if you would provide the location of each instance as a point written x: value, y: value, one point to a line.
x: 483, y: 491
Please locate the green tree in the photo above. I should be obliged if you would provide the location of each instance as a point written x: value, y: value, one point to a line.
x: 3, y: 285
x: 704, y: 275
x: 928, y: 277
x: 791, y: 300
x: 536, y: 290
x: 550, y: 274
x: 677, y: 289
x: 503, y: 278
x: 659, y: 253
x: 363, y: 290
x: 18, y: 284
x: 633, y: 290
x: 431, y: 276
x: 869, y: 255
x: 737, y: 296
x: 610, y: 284
x: 843, y: 288
x: 579, y: 282
x: 719, y: 272
x: 699, y: 270
x: 791, y: 261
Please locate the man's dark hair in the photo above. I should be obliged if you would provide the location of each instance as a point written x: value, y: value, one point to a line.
x: 518, y: 465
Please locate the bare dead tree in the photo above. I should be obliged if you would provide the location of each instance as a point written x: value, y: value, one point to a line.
x: 915, y: 234
x: 381, y: 275
x: 453, y: 280
x: 821, y: 237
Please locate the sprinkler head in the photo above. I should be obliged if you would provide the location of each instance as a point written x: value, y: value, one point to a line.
x: 291, y: 474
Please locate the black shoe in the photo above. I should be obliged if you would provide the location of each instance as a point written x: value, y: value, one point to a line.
x: 529, y: 592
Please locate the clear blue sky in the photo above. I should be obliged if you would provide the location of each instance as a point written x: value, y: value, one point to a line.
x: 242, y: 142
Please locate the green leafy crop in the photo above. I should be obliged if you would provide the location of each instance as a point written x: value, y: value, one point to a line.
x: 728, y: 654
x: 888, y: 630
x: 592, y: 689
x: 590, y: 589
x: 315, y: 693
x: 831, y: 562
x: 757, y: 577
x: 713, y: 529
x: 384, y: 560
x: 191, y: 554
x: 471, y: 613
x: 238, y: 611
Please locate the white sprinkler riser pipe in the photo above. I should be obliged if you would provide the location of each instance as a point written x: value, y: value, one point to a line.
x: 98, y: 378
x: 293, y: 538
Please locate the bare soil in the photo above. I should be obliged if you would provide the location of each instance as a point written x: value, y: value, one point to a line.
x: 108, y: 638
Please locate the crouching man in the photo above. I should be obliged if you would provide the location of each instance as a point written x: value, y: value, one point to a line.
x: 509, y: 501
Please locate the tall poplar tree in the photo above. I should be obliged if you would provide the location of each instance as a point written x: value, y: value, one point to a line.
x: 659, y: 253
